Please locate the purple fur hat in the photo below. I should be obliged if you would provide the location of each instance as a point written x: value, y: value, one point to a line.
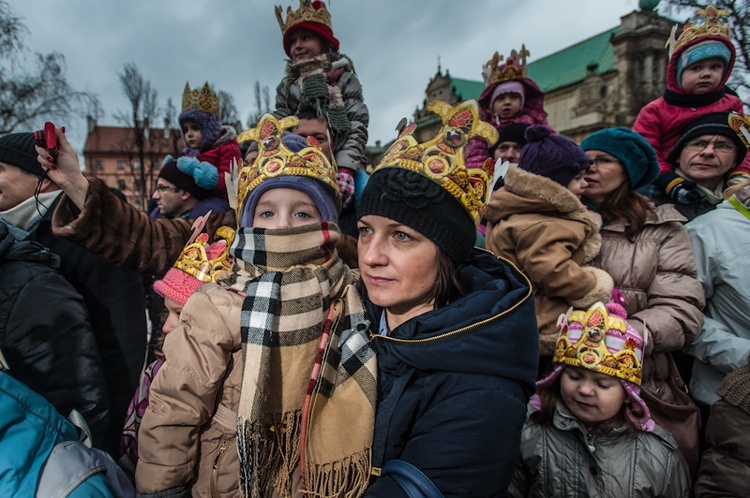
x: 209, y: 124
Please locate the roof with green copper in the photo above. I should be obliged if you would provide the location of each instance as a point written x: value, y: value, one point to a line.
x: 467, y: 89
x: 568, y: 66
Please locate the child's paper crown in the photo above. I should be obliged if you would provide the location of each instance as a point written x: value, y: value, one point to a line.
x: 441, y: 159
x: 513, y: 69
x: 599, y: 340
x: 710, y: 27
x: 204, y: 100
x: 307, y: 12
x: 275, y: 159
x: 195, y: 261
x: 741, y: 126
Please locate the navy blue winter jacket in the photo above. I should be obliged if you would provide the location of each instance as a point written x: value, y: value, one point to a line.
x: 453, y: 384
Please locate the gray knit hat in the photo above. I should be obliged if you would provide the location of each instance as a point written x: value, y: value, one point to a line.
x: 17, y: 149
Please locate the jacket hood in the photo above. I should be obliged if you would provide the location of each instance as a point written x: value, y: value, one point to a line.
x: 673, y: 84
x: 24, y: 250
x: 533, y: 100
x: 491, y: 330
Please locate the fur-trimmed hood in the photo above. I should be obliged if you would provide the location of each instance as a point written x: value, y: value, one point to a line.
x: 527, y: 193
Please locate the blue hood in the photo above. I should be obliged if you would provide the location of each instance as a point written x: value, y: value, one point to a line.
x: 491, y: 330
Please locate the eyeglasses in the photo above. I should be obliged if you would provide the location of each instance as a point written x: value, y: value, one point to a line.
x: 162, y: 188
x: 719, y: 147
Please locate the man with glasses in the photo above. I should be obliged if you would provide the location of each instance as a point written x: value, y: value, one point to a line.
x: 178, y: 196
x: 703, y: 157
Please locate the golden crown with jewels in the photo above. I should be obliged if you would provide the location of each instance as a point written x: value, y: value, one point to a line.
x: 441, y: 159
x: 275, y: 159
x: 741, y: 126
x: 306, y: 13
x: 202, y: 260
x: 513, y: 69
x: 597, y: 340
x: 204, y: 100
x: 711, y: 27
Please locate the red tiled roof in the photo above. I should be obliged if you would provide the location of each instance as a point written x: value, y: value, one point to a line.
x: 118, y: 139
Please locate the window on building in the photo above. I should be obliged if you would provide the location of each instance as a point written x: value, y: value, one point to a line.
x: 121, y: 184
x: 138, y: 184
x: 99, y: 165
x: 136, y: 165
x: 120, y: 164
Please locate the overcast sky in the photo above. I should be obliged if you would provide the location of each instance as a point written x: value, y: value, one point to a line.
x: 395, y: 44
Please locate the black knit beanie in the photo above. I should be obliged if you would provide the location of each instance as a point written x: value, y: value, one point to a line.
x: 423, y: 205
x: 17, y: 149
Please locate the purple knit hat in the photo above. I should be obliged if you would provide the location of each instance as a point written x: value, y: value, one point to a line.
x: 603, y: 325
x: 209, y: 124
x: 552, y: 156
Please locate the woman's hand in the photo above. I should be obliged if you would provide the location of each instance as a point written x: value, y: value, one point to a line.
x: 65, y: 170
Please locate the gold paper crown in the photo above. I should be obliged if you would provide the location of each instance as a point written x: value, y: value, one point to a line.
x: 305, y: 13
x: 513, y: 69
x: 441, y: 159
x: 710, y: 27
x: 741, y: 126
x: 275, y: 159
x: 204, y: 100
x: 600, y: 333
x: 194, y: 260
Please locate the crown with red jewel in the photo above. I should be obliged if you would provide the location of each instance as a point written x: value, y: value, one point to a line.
x: 275, y: 159
x: 204, y: 100
x: 711, y: 26
x: 599, y: 340
x: 513, y: 69
x: 741, y: 126
x: 307, y: 12
x: 204, y: 261
x: 441, y: 159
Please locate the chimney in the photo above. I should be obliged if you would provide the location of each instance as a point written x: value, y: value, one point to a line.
x: 90, y: 123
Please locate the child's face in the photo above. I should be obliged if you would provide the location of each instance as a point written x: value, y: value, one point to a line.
x: 285, y: 208
x: 507, y: 105
x: 192, y: 133
x: 578, y: 183
x: 703, y: 76
x: 173, y: 315
x: 592, y: 397
x: 304, y: 45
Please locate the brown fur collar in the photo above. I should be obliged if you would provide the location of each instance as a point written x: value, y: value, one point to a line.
x: 529, y: 185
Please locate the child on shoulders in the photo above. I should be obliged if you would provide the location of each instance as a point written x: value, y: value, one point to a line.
x: 700, y: 64
x: 321, y: 79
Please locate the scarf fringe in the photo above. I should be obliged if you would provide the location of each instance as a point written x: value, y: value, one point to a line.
x: 249, y: 450
x: 346, y: 479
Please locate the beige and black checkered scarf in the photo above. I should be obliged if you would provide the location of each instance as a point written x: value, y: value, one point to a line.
x: 309, y: 380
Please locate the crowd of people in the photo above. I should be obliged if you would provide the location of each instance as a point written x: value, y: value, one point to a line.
x: 491, y: 311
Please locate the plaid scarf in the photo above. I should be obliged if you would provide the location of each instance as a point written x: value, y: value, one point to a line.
x: 309, y: 379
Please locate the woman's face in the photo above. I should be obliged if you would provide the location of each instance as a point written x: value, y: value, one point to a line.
x: 605, y: 175
x: 398, y: 267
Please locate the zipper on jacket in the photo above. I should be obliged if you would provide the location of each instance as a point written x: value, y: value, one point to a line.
x: 215, y: 469
x: 590, y: 442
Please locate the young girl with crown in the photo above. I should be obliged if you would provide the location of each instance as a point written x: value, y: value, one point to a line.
x: 589, y: 433
x: 508, y: 97
x: 321, y: 79
x: 280, y: 340
x: 210, y: 147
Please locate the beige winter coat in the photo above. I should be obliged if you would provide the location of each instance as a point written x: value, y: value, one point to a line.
x: 656, y: 272
x: 550, y: 235
x: 187, y: 437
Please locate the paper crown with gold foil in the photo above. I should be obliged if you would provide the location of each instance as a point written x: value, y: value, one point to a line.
x: 195, y: 261
x: 711, y: 27
x: 741, y: 126
x: 275, y: 159
x: 306, y: 13
x: 599, y: 340
x: 204, y: 100
x: 441, y: 159
x: 513, y: 69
